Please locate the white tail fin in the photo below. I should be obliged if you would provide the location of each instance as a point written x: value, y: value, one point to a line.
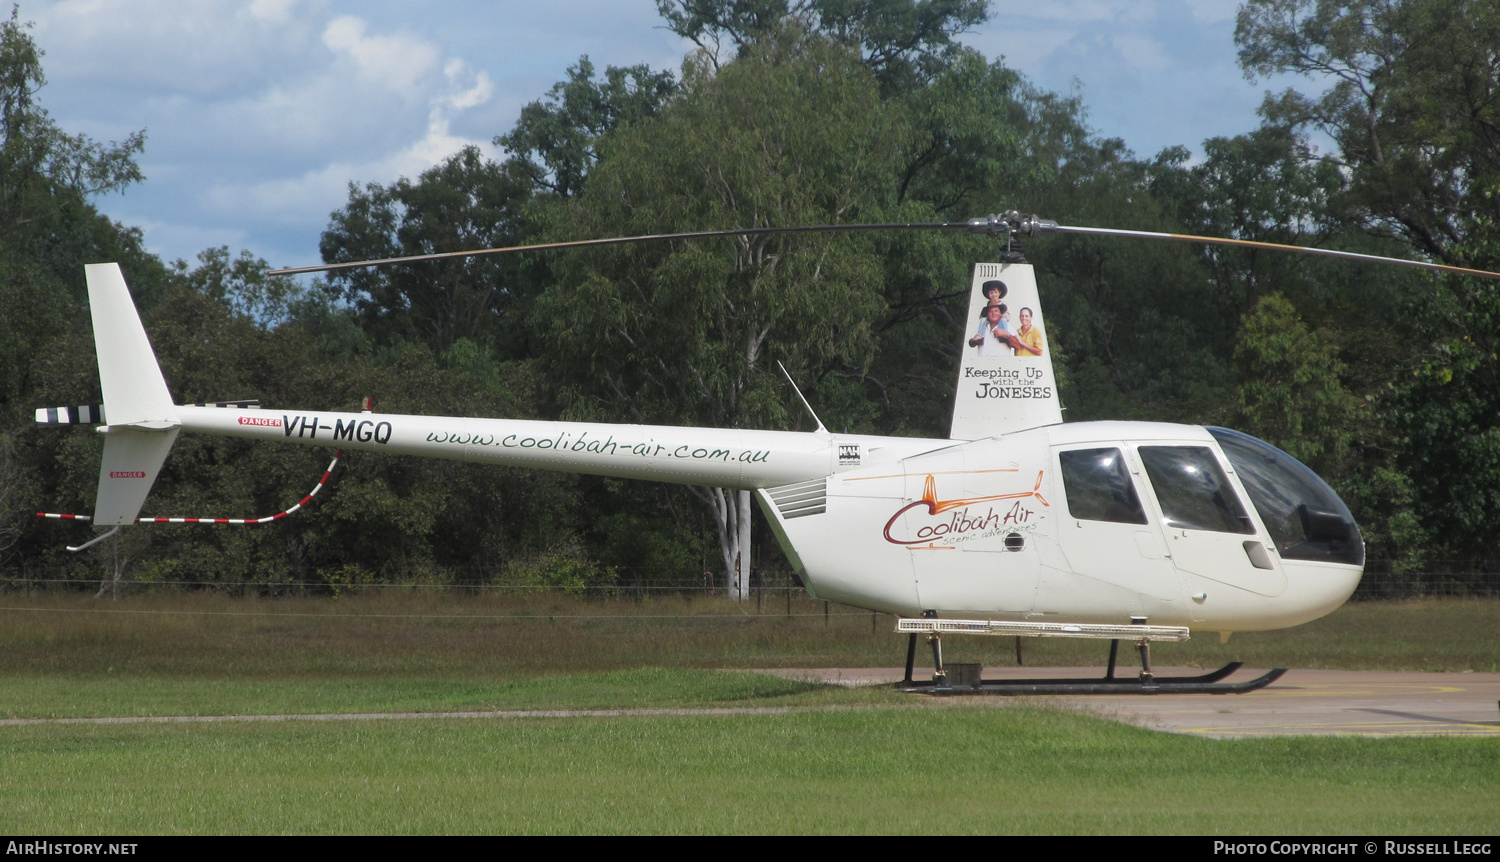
x: 143, y: 419
x: 1005, y: 381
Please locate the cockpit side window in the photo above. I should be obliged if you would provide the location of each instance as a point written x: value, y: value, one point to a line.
x: 1098, y: 486
x: 1193, y: 491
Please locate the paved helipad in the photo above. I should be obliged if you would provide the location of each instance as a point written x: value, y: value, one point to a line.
x: 1303, y: 702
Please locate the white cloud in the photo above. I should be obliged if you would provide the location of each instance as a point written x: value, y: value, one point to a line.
x: 273, y: 11
x: 399, y: 63
x: 457, y: 72
x: 260, y: 112
x: 1213, y: 11
x: 1142, y: 53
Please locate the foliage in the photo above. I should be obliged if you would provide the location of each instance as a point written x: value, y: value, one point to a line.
x: 465, y: 202
x: 792, y: 112
x: 1290, y: 392
x: 687, y: 333
x: 244, y: 286
x: 565, y: 569
x: 904, y: 42
x: 555, y: 142
x: 1413, y: 108
x: 682, y: 333
x: 44, y: 170
x: 13, y: 485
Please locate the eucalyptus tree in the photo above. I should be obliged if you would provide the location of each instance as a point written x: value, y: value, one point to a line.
x: 1410, y: 101
x: 466, y: 201
x: 48, y: 228
x: 792, y: 133
x: 555, y: 141
x: 904, y: 42
x: 1411, y: 105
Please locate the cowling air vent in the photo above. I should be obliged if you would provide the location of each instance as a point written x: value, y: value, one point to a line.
x: 252, y: 404
x: 801, y: 499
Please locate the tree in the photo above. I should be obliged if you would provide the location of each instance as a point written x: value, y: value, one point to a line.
x: 555, y: 141
x: 1260, y: 186
x: 793, y: 133
x: 43, y: 168
x: 47, y: 228
x: 13, y: 482
x: 465, y: 202
x: 1290, y: 391
x: 243, y: 285
x: 1412, y: 107
x: 904, y: 42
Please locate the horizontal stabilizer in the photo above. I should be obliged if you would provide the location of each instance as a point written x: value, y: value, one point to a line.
x: 85, y: 414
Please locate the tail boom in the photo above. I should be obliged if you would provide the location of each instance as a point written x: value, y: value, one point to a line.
x: 725, y: 458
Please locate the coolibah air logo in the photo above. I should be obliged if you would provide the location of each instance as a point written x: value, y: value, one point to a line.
x: 949, y: 521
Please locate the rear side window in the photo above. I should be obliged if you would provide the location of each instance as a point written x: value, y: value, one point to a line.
x: 1193, y: 491
x: 1098, y: 486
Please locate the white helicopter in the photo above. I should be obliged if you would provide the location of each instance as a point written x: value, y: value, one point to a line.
x: 1017, y: 524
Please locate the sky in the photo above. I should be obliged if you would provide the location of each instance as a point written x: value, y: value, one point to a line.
x: 259, y: 113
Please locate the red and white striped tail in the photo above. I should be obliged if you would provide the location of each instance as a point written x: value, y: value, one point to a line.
x: 266, y: 520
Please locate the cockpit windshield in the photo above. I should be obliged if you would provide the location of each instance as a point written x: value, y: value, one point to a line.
x: 1304, y: 516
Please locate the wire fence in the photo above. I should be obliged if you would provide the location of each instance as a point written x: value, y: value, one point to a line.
x: 626, y: 583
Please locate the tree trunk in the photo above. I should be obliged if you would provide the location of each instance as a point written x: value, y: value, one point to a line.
x: 111, y: 585
x: 742, y: 578
x: 732, y: 517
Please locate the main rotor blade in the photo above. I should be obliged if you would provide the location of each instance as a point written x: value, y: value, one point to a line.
x: 619, y: 240
x: 1010, y: 224
x: 1248, y: 243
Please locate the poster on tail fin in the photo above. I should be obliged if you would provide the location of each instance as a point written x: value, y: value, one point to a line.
x: 1005, y: 380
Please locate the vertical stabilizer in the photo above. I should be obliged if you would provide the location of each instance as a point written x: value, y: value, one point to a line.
x: 134, y: 391
x: 143, y: 421
x: 1005, y: 380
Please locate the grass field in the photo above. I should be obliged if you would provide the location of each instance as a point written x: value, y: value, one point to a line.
x: 892, y: 769
x: 849, y: 761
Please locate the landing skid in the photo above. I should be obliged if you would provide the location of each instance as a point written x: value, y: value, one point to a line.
x: 966, y: 679
x: 1207, y: 683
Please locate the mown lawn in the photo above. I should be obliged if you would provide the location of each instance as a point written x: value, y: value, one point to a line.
x: 869, y: 760
x: 947, y: 770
